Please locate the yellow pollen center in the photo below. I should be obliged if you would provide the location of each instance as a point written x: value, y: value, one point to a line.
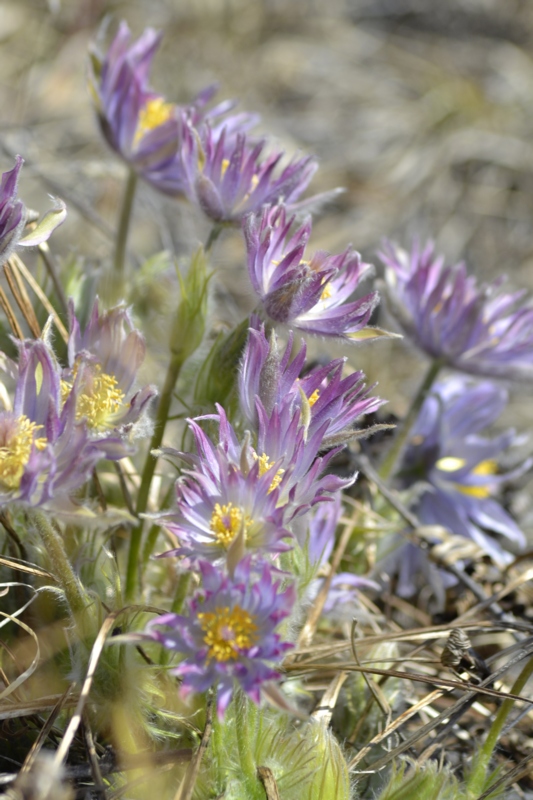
x: 488, y: 467
x: 226, y: 523
x: 326, y: 292
x: 153, y: 114
x: 227, y: 632
x: 15, y: 450
x: 264, y: 466
x: 99, y: 400
x: 314, y: 397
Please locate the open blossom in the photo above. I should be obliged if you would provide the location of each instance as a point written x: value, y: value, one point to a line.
x: 459, y: 467
x: 225, y: 507
x: 13, y: 216
x: 229, y: 176
x: 228, y: 636
x: 473, y: 328
x: 103, y: 364
x: 312, y: 294
x: 322, y: 394
x: 45, y: 453
x: 138, y: 123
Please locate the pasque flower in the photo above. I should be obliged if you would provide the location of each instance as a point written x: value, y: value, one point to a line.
x: 459, y: 467
x: 311, y: 294
x: 229, y: 176
x: 103, y: 364
x: 144, y: 128
x: 45, y: 453
x: 13, y: 216
x: 226, y: 508
x: 228, y: 637
x: 322, y: 394
x: 473, y: 328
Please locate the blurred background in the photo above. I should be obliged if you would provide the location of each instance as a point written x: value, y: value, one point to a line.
x: 421, y: 110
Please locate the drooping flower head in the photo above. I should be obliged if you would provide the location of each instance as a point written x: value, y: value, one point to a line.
x: 473, y: 328
x: 103, y: 365
x: 13, y: 216
x: 323, y: 394
x: 226, y: 507
x: 138, y: 123
x: 460, y: 467
x: 228, y: 636
x: 229, y: 177
x: 45, y: 453
x: 311, y: 294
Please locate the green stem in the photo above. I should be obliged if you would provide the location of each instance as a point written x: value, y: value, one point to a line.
x: 173, y: 372
x: 181, y: 592
x: 393, y: 456
x: 244, y: 741
x: 124, y: 222
x: 214, y: 233
x: 153, y: 533
x: 477, y: 779
x: 74, y: 594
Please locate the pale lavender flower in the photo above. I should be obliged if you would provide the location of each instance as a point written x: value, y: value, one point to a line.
x: 455, y: 478
x: 103, y: 364
x: 311, y: 294
x: 460, y: 467
x: 322, y: 394
x: 228, y: 636
x: 473, y: 328
x: 139, y: 124
x: 13, y: 215
x: 229, y: 177
x: 45, y: 454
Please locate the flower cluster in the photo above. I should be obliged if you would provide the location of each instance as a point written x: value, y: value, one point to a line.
x: 64, y: 421
x: 246, y: 500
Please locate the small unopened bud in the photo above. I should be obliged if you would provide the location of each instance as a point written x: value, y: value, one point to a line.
x: 189, y: 324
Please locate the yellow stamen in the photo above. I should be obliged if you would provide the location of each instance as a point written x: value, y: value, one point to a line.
x: 17, y: 440
x: 314, y: 397
x: 226, y: 523
x: 227, y: 631
x: 452, y: 464
x: 326, y: 292
x: 264, y: 466
x: 154, y: 113
x: 488, y: 467
x: 100, y: 399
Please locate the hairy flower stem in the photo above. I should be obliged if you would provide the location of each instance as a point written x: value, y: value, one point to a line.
x: 173, y: 372
x: 74, y: 594
x: 243, y: 730
x: 475, y: 784
x: 402, y: 434
x: 117, y: 283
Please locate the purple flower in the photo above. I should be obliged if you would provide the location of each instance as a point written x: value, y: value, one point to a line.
x: 311, y: 294
x: 139, y: 124
x: 226, y: 508
x: 322, y: 395
x: 45, y: 454
x: 459, y: 467
x: 103, y: 366
x: 475, y: 329
x: 228, y: 636
x: 229, y: 177
x: 13, y: 216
